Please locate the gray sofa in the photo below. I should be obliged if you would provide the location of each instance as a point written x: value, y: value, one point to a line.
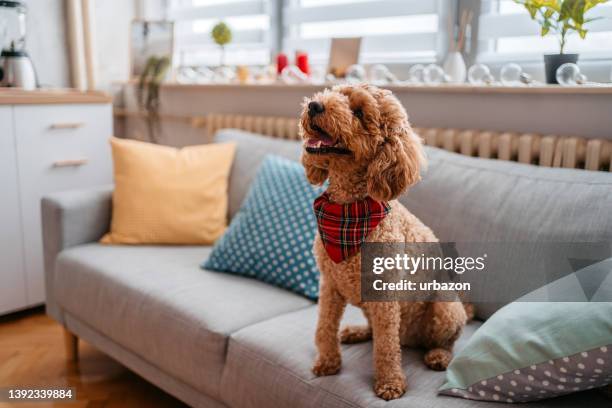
x: 214, y: 339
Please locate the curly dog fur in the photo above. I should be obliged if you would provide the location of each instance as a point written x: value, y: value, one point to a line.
x: 371, y: 150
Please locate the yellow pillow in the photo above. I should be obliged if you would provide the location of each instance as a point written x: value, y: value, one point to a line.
x: 165, y: 195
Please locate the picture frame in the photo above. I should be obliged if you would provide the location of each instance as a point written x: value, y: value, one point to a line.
x: 343, y: 53
x: 149, y: 38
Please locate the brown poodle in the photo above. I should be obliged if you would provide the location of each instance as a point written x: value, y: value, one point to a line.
x: 358, y: 137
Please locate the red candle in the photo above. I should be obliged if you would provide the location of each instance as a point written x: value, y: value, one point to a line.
x: 301, y: 60
x: 281, y: 62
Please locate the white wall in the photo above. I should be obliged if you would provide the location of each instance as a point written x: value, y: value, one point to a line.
x: 46, y: 41
x: 112, y: 25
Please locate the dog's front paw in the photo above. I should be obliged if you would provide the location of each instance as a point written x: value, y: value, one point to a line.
x: 438, y: 359
x: 390, y: 389
x: 329, y: 365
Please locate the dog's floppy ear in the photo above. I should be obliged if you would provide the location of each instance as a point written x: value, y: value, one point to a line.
x: 316, y: 170
x: 396, y: 165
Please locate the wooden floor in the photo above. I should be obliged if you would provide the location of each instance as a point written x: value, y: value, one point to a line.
x: 32, y: 354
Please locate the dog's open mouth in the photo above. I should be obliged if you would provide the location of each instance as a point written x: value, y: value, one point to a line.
x: 323, y: 143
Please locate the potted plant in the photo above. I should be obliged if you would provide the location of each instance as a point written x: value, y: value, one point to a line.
x: 147, y: 92
x: 222, y: 35
x: 562, y: 18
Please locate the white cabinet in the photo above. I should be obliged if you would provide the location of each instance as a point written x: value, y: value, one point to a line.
x: 54, y: 148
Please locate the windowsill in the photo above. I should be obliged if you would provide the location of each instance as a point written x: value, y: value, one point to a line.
x: 443, y: 88
x: 555, y: 110
x: 538, y: 58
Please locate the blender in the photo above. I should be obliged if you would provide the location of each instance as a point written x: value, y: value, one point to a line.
x: 16, y: 69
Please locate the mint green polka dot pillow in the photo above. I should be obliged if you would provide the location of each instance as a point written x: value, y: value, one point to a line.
x: 533, y: 351
x: 270, y: 238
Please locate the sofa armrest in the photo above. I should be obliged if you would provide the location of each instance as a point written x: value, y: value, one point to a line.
x: 71, y: 218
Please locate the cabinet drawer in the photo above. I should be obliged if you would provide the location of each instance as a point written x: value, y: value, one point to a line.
x: 58, y: 148
x: 62, y: 147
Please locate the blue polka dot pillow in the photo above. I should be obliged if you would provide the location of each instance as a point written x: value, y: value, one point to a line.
x: 271, y: 237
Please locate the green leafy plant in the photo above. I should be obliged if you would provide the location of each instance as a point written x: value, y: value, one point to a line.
x: 221, y: 35
x: 561, y: 16
x: 148, y: 92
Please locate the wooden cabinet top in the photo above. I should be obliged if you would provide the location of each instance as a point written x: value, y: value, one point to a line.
x: 12, y: 96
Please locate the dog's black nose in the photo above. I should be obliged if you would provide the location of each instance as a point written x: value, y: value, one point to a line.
x: 314, y: 108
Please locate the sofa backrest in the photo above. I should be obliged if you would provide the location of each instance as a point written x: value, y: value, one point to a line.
x: 250, y: 152
x: 466, y: 199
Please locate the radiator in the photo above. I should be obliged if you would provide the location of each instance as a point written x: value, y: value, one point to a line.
x: 280, y: 127
x: 540, y: 150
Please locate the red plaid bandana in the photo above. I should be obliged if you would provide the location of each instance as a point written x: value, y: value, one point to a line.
x: 344, y: 227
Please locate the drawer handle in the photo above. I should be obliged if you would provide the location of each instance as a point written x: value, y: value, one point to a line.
x: 70, y: 163
x: 67, y: 125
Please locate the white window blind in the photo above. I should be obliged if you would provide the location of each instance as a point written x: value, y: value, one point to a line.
x: 507, y: 32
x: 392, y: 30
x: 249, y: 21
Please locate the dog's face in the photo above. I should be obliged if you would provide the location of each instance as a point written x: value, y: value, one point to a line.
x: 363, y: 127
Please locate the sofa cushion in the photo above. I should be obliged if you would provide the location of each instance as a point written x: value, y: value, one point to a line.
x: 165, y: 195
x: 159, y: 304
x: 529, y: 351
x: 467, y: 199
x: 268, y: 365
x: 270, y: 239
x: 250, y: 152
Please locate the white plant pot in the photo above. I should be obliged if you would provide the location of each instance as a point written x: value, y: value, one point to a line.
x: 454, y: 67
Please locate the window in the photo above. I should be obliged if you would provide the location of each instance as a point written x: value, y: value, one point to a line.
x: 506, y: 32
x: 248, y: 19
x: 392, y: 30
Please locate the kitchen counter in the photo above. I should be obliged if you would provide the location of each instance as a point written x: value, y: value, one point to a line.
x: 13, y: 96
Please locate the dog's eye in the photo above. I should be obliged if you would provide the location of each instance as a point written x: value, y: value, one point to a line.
x: 358, y: 113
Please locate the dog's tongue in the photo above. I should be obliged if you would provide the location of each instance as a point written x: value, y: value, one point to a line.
x: 322, y: 140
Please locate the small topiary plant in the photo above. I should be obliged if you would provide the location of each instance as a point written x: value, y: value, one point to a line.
x: 221, y: 35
